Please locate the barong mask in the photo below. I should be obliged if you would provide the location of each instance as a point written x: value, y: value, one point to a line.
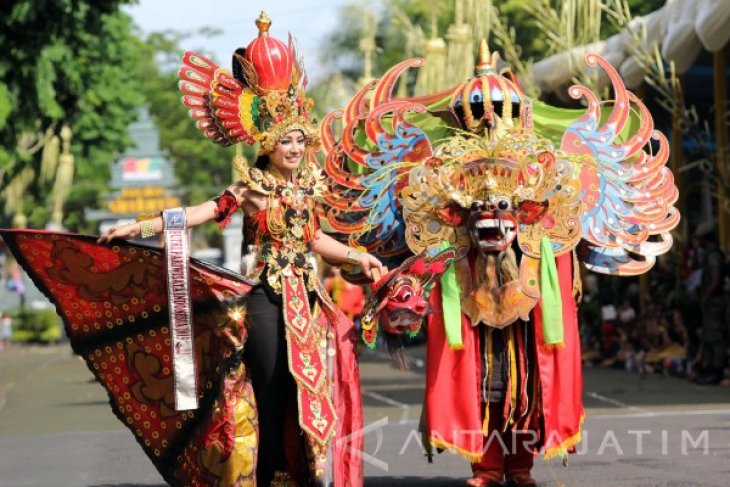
x: 492, y: 105
x: 481, y: 168
x: 262, y: 102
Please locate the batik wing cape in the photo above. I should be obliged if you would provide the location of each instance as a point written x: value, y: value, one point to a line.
x: 113, y: 303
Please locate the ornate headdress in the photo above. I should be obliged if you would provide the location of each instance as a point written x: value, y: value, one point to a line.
x: 492, y: 99
x: 265, y: 101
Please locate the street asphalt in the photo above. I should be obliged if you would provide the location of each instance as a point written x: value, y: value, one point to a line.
x: 56, y: 429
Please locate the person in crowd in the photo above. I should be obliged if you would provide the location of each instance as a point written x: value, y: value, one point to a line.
x: 713, y: 303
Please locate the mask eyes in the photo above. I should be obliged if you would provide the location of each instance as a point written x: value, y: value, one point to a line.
x: 402, y: 293
x: 503, y: 204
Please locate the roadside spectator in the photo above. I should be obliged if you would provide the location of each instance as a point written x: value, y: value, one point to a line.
x: 714, y: 308
x: 692, y: 271
x: 6, y: 331
x: 626, y: 313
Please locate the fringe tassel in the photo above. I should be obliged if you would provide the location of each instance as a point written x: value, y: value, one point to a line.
x: 566, y: 444
x: 513, y: 376
x: 577, y: 280
x: 444, y: 445
x: 521, y: 354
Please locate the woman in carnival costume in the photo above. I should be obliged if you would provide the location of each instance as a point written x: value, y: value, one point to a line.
x: 224, y: 379
x: 487, y: 200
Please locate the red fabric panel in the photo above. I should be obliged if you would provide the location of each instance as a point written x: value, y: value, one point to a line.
x: 453, y: 398
x: 349, y: 439
x: 560, y: 372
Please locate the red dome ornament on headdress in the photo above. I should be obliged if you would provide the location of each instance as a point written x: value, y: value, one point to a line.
x: 265, y: 104
x: 491, y: 100
x: 270, y: 57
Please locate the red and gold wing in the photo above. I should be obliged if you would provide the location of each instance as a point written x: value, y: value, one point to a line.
x: 628, y: 192
x: 367, y: 163
x: 224, y: 109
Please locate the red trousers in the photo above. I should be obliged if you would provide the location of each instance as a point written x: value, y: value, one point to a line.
x: 508, y: 454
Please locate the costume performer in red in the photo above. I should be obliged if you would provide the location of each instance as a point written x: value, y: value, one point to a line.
x: 224, y: 379
x: 517, y: 192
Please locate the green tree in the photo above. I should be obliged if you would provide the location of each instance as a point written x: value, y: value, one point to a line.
x: 202, y: 167
x: 341, y: 49
x: 64, y: 62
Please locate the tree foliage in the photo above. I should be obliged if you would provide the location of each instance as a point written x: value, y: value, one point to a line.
x: 201, y: 166
x: 342, y: 47
x: 84, y: 64
x: 66, y: 62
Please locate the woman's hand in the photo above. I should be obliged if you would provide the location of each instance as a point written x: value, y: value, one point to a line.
x: 128, y: 231
x: 372, y: 267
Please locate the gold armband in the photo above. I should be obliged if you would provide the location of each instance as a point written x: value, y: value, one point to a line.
x: 146, y: 228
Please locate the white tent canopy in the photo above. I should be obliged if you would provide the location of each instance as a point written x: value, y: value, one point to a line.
x: 681, y: 28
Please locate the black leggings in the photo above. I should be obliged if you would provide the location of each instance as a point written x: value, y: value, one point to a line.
x: 265, y: 355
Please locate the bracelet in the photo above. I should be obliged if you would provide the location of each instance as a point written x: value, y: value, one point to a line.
x: 354, y: 256
x: 146, y: 228
x: 352, y: 262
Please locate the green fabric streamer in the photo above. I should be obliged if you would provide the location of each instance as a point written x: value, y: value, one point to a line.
x: 552, y: 305
x: 451, y: 305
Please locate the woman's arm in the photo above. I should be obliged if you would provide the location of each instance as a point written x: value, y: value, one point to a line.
x: 195, y: 215
x: 334, y: 251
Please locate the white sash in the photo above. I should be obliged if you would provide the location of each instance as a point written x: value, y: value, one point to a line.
x: 178, y: 297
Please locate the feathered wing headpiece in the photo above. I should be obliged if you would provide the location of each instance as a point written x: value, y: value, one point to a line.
x: 269, y: 102
x: 398, y: 189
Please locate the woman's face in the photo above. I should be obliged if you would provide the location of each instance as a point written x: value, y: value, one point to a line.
x: 288, y: 152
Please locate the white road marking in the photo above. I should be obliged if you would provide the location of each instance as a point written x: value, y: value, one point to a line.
x: 645, y: 414
x: 391, y: 402
x: 660, y: 414
x: 614, y: 402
